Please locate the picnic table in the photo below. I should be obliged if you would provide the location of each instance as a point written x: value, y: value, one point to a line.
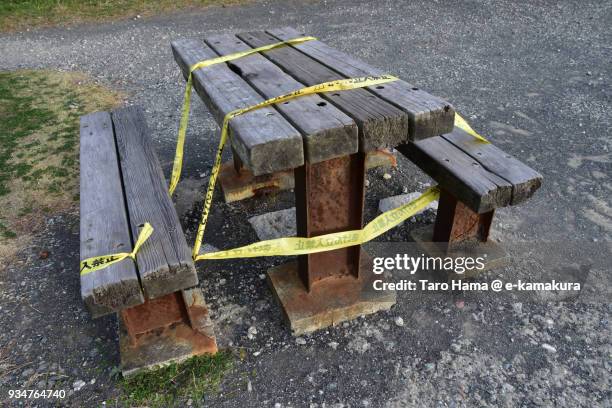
x: 320, y: 143
x: 324, y: 140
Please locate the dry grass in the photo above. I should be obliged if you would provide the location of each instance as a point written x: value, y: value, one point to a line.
x: 24, y: 14
x: 39, y: 133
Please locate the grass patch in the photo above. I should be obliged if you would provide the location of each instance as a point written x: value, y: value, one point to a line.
x: 39, y: 133
x: 174, y: 384
x: 22, y: 14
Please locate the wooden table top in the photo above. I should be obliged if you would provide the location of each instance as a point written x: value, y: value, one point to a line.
x: 311, y: 128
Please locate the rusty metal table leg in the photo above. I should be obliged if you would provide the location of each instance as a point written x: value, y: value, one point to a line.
x: 460, y: 232
x: 326, y: 288
x: 329, y: 198
x: 167, y: 329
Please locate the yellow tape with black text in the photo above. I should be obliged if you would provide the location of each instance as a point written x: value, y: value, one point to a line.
x: 99, y: 262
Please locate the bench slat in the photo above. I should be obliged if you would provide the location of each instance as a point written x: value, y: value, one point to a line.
x: 164, y: 261
x: 104, y: 226
x: 429, y: 115
x: 380, y: 123
x: 327, y: 132
x: 263, y: 139
x: 525, y: 181
x: 458, y: 173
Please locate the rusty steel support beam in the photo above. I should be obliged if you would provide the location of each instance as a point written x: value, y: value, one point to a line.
x: 457, y: 224
x: 329, y: 198
x: 325, y: 288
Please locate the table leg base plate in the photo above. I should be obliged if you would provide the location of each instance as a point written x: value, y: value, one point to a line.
x: 494, y: 254
x: 331, y: 301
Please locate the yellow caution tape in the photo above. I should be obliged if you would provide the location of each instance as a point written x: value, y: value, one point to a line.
x: 463, y: 125
x: 99, y: 262
x: 281, y: 246
x: 180, y: 144
x: 339, y: 85
x: 328, y: 242
x: 291, y: 245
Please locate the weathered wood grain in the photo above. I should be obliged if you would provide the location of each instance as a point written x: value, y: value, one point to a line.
x: 263, y: 139
x: 458, y: 173
x: 429, y: 115
x: 104, y: 225
x: 328, y: 133
x: 525, y: 181
x: 380, y: 123
x: 164, y: 261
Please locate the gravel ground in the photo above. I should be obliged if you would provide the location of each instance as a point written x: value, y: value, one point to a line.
x: 534, y: 78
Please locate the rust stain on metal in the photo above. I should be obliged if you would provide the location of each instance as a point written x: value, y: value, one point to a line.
x: 239, y: 185
x: 154, y: 313
x: 142, y: 339
x: 380, y: 158
x: 180, y: 333
x: 177, y: 317
x: 199, y: 342
x: 268, y: 189
x: 199, y: 317
x: 170, y: 328
x: 458, y: 224
x: 198, y: 312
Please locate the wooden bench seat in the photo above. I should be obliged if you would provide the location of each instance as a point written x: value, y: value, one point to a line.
x: 475, y: 178
x: 480, y: 175
x: 162, y: 315
x: 104, y: 225
x: 122, y: 187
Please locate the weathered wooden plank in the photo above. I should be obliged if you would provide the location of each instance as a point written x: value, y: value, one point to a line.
x: 104, y: 224
x: 459, y: 174
x: 328, y: 133
x: 380, y: 123
x: 263, y: 139
x: 525, y: 181
x: 429, y: 115
x: 164, y: 261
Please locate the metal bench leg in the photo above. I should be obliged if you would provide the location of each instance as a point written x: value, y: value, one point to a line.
x: 460, y: 232
x: 326, y: 288
x: 167, y: 329
x: 456, y: 223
